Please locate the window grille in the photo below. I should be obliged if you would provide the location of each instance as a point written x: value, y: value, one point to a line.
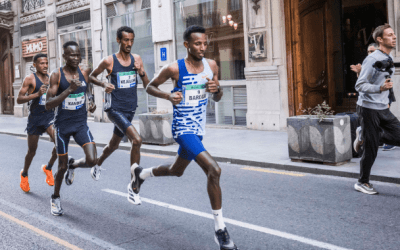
x: 34, y: 28
x: 28, y: 5
x: 83, y: 16
x: 146, y: 4
x: 111, y: 11
x: 5, y: 5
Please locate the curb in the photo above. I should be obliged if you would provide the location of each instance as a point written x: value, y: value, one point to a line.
x: 286, y: 167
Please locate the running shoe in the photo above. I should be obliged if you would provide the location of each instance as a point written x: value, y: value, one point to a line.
x: 132, y: 197
x: 224, y: 241
x: 387, y: 147
x: 49, y: 175
x: 358, y: 142
x: 24, y: 183
x: 69, y: 175
x: 95, y: 172
x: 56, y: 208
x: 366, y: 188
x: 136, y: 182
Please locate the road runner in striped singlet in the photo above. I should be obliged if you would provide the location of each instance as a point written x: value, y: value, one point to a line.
x: 67, y: 94
x: 195, y: 78
x: 123, y: 70
x: 40, y: 120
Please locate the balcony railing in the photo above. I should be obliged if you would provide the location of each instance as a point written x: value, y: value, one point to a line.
x: 28, y: 5
x: 5, y: 5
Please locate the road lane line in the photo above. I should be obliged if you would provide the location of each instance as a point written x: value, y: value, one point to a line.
x: 237, y: 223
x: 153, y: 155
x: 62, y: 226
x: 40, y: 232
x: 272, y: 171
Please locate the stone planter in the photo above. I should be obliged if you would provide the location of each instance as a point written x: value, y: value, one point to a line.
x: 156, y: 128
x: 328, y: 141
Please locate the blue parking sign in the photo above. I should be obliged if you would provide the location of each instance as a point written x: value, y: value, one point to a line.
x: 163, y: 54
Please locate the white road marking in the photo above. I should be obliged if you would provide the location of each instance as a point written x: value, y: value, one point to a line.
x: 238, y: 223
x: 61, y: 226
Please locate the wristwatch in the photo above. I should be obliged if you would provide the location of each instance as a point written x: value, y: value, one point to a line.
x: 219, y: 90
x: 141, y: 76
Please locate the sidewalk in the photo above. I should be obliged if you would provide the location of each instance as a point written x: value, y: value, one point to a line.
x: 268, y: 149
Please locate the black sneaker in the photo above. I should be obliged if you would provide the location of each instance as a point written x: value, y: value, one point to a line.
x: 136, y: 182
x: 69, y: 175
x: 366, y: 188
x: 56, y: 208
x: 224, y: 241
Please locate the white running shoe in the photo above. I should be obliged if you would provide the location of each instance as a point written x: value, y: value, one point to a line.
x: 132, y: 197
x: 56, y: 207
x: 95, y: 172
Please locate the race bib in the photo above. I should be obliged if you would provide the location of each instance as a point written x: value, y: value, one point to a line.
x: 42, y: 100
x: 194, y: 94
x: 74, y: 101
x: 126, y: 79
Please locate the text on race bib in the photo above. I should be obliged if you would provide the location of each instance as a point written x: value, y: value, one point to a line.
x: 74, y: 101
x: 194, y: 94
x: 42, y: 100
x: 126, y: 79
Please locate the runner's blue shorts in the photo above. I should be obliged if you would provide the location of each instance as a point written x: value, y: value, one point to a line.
x: 122, y: 120
x: 80, y: 132
x: 38, y: 124
x: 190, y: 146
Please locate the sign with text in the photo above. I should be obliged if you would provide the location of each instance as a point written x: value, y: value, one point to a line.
x: 34, y: 46
x: 163, y: 53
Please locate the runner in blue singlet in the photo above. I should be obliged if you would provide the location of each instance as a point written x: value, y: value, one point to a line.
x: 67, y: 94
x: 33, y: 92
x: 195, y: 78
x: 123, y: 70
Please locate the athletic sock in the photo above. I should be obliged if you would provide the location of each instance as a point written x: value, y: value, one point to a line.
x: 218, y: 220
x: 54, y: 197
x: 146, y: 173
x: 23, y: 174
x: 49, y: 166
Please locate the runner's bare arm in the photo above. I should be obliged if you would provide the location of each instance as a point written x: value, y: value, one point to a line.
x: 140, y: 69
x: 214, y: 87
x: 53, y: 100
x: 167, y: 72
x: 89, y: 90
x: 27, y: 87
x: 105, y: 64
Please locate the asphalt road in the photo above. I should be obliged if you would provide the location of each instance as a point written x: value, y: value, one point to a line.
x: 263, y: 208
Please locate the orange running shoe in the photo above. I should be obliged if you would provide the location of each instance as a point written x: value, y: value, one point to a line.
x: 24, y: 183
x: 49, y: 175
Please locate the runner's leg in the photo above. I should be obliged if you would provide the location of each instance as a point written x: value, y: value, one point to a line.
x: 90, y: 157
x: 136, y: 142
x: 32, y: 146
x: 109, y: 149
x: 53, y: 158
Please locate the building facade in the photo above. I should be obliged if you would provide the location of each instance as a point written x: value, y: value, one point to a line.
x: 275, y: 57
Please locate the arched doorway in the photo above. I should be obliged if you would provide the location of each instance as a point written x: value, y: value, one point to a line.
x: 6, y: 63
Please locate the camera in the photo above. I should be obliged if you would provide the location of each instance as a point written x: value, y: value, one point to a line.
x: 384, y: 66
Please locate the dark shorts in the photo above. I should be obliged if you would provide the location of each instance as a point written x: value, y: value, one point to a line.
x: 190, y: 146
x: 38, y: 124
x: 121, y: 119
x: 81, y: 134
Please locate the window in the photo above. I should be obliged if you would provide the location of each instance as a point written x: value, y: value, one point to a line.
x: 84, y: 40
x: 225, y: 42
x: 132, y: 15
